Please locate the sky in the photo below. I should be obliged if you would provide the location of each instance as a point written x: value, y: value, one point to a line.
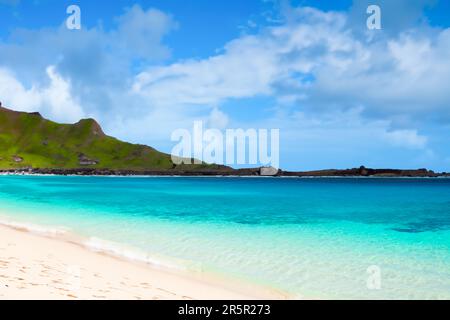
x: 340, y: 94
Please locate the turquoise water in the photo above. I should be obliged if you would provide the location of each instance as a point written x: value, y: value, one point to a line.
x: 314, y: 238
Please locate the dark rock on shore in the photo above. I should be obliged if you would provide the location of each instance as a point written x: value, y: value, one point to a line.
x: 366, y: 172
x: 226, y: 171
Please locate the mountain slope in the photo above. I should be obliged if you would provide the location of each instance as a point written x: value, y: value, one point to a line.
x: 29, y: 140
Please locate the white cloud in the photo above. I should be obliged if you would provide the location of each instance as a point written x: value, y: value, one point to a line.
x: 251, y: 65
x: 237, y: 74
x: 406, y: 138
x: 14, y: 94
x: 54, y: 100
x: 58, y: 100
x: 90, y: 56
x: 317, y: 59
x: 218, y: 119
x: 95, y: 65
x: 141, y: 31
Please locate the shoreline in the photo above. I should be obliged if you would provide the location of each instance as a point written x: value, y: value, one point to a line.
x: 441, y: 176
x: 226, y: 177
x: 35, y: 265
x: 361, y: 172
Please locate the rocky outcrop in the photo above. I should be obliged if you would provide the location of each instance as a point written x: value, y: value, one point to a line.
x: 91, y: 125
x: 268, y: 171
x: 83, y: 160
x: 17, y: 159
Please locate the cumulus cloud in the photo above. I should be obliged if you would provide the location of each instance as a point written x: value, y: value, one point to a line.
x: 139, y: 30
x: 218, y: 119
x: 251, y: 65
x: 241, y: 72
x: 318, y: 60
x: 54, y: 99
x: 96, y: 62
x: 406, y: 138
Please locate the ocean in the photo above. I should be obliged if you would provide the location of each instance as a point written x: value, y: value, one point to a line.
x: 318, y: 238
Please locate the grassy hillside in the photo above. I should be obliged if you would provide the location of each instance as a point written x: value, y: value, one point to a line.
x: 29, y: 140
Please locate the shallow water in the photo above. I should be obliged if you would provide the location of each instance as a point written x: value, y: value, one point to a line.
x: 316, y: 238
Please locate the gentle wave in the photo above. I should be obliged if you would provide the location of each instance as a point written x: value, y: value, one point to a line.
x: 98, y: 245
x: 36, y: 229
x: 133, y: 254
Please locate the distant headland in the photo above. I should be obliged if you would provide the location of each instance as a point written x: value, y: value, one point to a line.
x: 30, y: 144
x: 229, y: 172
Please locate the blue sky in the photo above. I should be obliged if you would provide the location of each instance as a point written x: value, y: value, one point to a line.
x: 341, y: 95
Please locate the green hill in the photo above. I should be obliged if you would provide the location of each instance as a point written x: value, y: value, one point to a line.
x: 29, y: 140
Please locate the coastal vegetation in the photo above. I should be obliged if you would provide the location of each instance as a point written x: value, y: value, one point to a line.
x: 29, y: 141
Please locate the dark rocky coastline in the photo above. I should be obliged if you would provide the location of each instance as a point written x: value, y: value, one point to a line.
x: 226, y: 171
x: 368, y: 172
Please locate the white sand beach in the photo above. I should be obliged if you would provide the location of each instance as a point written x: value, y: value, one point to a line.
x: 37, y: 267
